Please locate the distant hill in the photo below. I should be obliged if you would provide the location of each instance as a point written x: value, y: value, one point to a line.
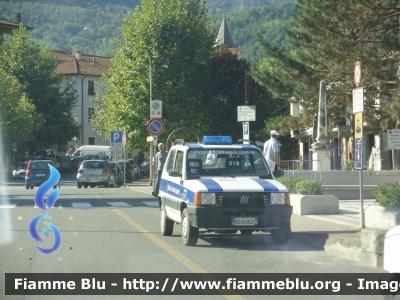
x: 59, y: 23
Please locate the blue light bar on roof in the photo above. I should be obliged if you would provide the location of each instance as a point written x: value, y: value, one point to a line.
x: 217, y: 140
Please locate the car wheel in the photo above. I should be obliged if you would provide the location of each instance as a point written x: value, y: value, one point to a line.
x: 280, y: 236
x: 107, y: 184
x: 27, y: 186
x: 31, y: 187
x: 85, y: 186
x: 189, y: 233
x: 79, y: 185
x: 92, y: 185
x: 166, y: 225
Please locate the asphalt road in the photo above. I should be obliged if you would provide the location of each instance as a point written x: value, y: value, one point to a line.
x: 116, y: 230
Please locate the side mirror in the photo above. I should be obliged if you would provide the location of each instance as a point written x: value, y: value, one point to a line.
x: 174, y: 173
x: 278, y: 173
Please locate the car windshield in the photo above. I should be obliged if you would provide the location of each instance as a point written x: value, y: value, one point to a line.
x: 22, y: 165
x: 223, y: 162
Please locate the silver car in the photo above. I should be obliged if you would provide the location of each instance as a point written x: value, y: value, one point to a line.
x: 95, y: 172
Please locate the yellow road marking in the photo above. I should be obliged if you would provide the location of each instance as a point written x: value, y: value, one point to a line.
x: 178, y: 256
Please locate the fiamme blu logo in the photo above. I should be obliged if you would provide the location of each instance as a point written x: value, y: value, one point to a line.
x: 45, y: 206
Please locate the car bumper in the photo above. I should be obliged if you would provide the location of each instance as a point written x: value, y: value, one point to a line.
x: 221, y: 217
x: 35, y: 180
x: 88, y: 179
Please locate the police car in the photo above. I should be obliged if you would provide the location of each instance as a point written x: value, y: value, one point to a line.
x: 221, y: 188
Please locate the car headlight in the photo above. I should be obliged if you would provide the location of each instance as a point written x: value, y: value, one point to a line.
x: 277, y: 198
x: 208, y: 198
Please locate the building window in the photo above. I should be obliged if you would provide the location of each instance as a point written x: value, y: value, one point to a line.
x: 90, y: 114
x: 91, y: 87
x: 91, y: 141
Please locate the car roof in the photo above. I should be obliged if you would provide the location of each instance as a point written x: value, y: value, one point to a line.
x: 42, y: 160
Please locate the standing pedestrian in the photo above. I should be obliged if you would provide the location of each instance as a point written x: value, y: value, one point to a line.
x: 161, y: 157
x: 271, y: 151
x: 70, y: 152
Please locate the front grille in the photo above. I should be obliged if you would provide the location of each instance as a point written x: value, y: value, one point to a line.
x: 230, y: 199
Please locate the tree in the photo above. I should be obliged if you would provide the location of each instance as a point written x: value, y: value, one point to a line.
x: 227, y: 91
x: 34, y: 68
x: 329, y: 37
x: 178, y: 39
x: 18, y: 116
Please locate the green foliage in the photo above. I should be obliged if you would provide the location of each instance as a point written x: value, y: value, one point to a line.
x: 290, y: 183
x: 299, y: 185
x: 226, y: 89
x: 179, y: 40
x: 34, y: 69
x: 388, y: 195
x: 308, y: 187
x: 328, y: 38
x: 18, y: 116
x: 246, y: 25
x: 348, y: 165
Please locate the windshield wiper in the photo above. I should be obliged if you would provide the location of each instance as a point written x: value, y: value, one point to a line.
x: 269, y: 176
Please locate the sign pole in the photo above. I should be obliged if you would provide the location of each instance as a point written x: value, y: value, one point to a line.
x: 358, y: 109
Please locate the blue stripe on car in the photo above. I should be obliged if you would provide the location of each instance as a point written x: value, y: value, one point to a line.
x: 267, y: 186
x: 211, y: 185
x: 176, y: 190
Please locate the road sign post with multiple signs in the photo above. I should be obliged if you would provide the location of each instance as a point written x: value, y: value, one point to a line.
x: 358, y: 109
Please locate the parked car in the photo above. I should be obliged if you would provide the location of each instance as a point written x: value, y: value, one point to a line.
x: 20, y: 171
x: 129, y: 171
x: 94, y: 173
x: 136, y: 169
x: 145, y: 168
x: 65, y: 162
x: 118, y: 172
x: 56, y: 163
x: 37, y: 172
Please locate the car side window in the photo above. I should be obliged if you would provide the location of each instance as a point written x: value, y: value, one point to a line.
x: 179, y: 162
x: 170, y: 162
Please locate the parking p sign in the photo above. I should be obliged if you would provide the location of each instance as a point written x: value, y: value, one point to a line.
x: 116, y: 138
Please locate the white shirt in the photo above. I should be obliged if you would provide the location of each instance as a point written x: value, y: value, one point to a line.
x: 270, y: 147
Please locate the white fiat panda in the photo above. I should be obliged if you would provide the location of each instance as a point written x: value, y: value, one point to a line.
x: 222, y: 188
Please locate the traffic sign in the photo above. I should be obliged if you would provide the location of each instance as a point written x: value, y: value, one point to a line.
x: 124, y: 139
x: 116, y: 138
x: 246, y: 113
x: 358, y: 100
x: 393, y: 138
x: 155, y: 109
x: 358, y: 136
x: 246, y: 131
x: 155, y: 126
x: 357, y: 74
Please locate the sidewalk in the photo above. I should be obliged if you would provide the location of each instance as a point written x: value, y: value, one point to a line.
x: 343, y: 240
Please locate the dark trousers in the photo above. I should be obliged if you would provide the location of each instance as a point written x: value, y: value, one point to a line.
x: 157, y: 187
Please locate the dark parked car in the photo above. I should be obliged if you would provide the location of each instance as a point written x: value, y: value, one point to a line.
x: 65, y: 163
x: 130, y: 172
x: 37, y: 172
x: 118, y: 173
x: 20, y: 170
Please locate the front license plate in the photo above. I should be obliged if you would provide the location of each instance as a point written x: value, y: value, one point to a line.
x: 244, y: 221
x: 40, y: 175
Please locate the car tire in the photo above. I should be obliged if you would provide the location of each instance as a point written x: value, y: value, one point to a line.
x: 107, y: 184
x: 190, y: 234
x: 85, y: 186
x: 166, y: 225
x: 92, y: 186
x: 79, y: 185
x: 280, y: 236
x: 27, y: 186
x: 31, y: 187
